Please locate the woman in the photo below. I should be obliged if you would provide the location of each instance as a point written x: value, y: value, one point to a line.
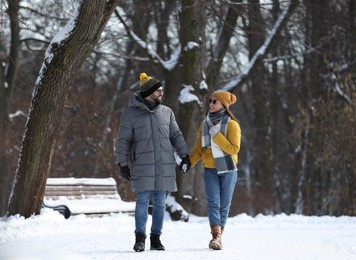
x: 218, y: 143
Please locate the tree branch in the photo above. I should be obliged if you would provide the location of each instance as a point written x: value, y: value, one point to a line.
x: 168, y: 65
x: 261, y: 53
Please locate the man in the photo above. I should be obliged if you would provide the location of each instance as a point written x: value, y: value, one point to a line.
x: 148, y: 137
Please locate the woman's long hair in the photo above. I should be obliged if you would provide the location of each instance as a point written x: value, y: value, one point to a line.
x: 230, y: 113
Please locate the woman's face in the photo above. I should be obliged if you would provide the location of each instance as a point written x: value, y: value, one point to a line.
x: 214, y: 105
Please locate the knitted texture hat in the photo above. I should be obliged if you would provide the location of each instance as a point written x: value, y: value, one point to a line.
x: 148, y: 84
x: 226, y: 98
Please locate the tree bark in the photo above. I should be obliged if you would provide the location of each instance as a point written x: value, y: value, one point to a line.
x: 192, y: 26
x: 7, y: 77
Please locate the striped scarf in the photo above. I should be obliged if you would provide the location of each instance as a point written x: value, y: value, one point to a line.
x: 223, y: 161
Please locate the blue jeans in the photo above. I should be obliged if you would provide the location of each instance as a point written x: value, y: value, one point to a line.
x: 219, y: 191
x: 141, y: 211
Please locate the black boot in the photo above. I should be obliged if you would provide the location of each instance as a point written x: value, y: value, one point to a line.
x: 156, y: 243
x: 140, y: 242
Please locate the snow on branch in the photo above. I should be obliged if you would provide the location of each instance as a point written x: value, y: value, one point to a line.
x: 168, y: 65
x: 186, y: 95
x: 337, y: 82
x: 58, y: 39
x: 16, y: 114
x: 262, y: 51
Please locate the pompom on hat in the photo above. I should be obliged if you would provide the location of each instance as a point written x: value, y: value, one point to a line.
x: 226, y: 98
x: 148, y: 85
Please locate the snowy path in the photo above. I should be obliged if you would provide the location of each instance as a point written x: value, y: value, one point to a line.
x: 50, y: 236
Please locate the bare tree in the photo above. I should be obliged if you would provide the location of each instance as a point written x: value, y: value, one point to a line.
x: 189, y: 74
x: 292, y: 69
x: 64, y: 57
x: 192, y: 39
x: 329, y: 169
x: 225, y: 33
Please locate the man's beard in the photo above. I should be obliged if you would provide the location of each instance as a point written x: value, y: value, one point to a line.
x: 158, y: 100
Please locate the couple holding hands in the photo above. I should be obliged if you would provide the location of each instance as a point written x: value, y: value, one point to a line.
x: 147, y: 137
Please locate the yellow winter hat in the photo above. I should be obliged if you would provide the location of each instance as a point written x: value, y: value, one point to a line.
x: 226, y: 98
x: 148, y: 84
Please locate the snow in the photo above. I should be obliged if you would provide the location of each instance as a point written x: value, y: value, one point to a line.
x: 59, y: 38
x: 89, y: 204
x: 260, y: 52
x: 83, y: 181
x: 191, y: 46
x: 50, y: 236
x: 78, y: 206
x: 16, y: 114
x: 170, y: 64
x: 185, y: 95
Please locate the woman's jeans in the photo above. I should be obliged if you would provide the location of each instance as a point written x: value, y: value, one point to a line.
x: 141, y: 211
x: 219, y: 191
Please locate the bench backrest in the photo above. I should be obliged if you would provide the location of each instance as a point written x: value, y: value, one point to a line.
x: 80, y: 188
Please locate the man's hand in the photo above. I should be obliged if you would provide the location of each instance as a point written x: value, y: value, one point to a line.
x: 125, y: 173
x: 185, y: 164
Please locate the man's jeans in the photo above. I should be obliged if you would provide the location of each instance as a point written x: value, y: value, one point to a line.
x: 141, y: 211
x: 219, y: 191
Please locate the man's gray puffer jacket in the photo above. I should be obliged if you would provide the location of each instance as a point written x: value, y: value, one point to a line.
x: 148, y: 140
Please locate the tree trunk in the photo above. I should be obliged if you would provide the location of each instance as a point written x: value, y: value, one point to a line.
x: 7, y: 77
x: 262, y: 111
x: 192, y: 26
x: 223, y: 42
x: 315, y: 88
x: 64, y: 58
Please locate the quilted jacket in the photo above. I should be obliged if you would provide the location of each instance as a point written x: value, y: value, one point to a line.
x: 147, y: 141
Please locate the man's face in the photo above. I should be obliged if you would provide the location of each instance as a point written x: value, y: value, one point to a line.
x: 157, y: 96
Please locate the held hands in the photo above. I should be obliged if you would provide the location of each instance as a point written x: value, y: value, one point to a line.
x: 125, y: 173
x: 185, y: 164
x: 213, y: 131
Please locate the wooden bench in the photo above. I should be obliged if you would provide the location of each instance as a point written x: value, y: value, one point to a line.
x: 89, y: 196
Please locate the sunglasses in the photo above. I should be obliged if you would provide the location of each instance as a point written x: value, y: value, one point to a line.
x: 213, y: 101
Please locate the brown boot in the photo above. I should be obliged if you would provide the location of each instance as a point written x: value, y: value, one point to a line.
x: 222, y: 231
x: 215, y: 243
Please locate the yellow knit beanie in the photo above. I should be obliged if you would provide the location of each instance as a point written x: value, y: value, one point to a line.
x: 226, y: 98
x: 148, y: 84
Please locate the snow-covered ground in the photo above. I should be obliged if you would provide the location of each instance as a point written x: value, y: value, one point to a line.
x: 50, y: 236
